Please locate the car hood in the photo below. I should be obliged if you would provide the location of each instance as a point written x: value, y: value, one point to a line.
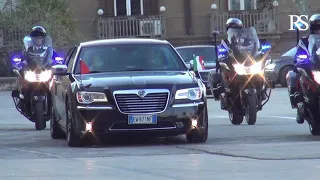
x: 206, y: 65
x: 134, y: 80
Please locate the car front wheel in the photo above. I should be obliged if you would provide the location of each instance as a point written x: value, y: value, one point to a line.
x: 55, y: 130
x: 72, y: 139
x: 196, y: 136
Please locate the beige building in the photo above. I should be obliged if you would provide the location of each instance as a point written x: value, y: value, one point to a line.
x: 187, y: 21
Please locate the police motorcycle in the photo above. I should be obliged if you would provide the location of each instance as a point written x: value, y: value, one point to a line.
x: 33, y: 71
x: 243, y: 89
x: 308, y: 103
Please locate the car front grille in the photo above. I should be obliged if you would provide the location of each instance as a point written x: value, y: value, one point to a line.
x: 204, y: 76
x: 131, y: 103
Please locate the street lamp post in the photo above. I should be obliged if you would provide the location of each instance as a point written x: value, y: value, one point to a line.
x: 99, y: 23
x: 162, y: 21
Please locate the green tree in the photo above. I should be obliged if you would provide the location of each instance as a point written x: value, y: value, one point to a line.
x: 19, y: 16
x: 54, y: 15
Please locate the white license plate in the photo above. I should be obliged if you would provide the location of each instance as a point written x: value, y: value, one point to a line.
x: 142, y: 119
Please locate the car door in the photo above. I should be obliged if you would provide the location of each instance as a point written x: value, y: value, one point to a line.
x: 59, y: 89
x: 64, y: 84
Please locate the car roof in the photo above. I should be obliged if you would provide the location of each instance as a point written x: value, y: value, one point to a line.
x: 123, y: 41
x: 194, y: 46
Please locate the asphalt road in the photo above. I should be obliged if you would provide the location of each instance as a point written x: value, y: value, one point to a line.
x: 275, y: 148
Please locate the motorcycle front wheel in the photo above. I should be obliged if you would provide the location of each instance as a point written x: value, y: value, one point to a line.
x: 40, y: 123
x: 235, y: 119
x: 251, y: 110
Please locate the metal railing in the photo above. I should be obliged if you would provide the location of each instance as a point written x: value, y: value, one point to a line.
x: 265, y: 22
x: 11, y: 38
x: 131, y: 26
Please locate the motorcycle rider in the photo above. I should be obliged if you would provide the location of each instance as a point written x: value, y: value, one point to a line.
x: 295, y: 96
x: 37, y: 35
x: 231, y: 23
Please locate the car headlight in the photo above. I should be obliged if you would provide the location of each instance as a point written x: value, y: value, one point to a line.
x: 243, y: 70
x: 190, y: 93
x: 268, y: 61
x: 84, y: 97
x: 44, y: 76
x: 270, y: 67
x: 316, y: 76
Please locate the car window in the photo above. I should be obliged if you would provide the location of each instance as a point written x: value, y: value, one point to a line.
x: 290, y: 53
x: 71, y: 60
x: 67, y: 58
x: 130, y: 57
x: 208, y: 53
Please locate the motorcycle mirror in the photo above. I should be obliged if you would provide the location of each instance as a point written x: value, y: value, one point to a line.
x: 16, y: 71
x: 318, y: 52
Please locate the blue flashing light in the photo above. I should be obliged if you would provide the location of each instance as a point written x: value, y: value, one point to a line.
x: 16, y: 60
x: 298, y: 25
x: 266, y: 47
x: 302, y: 58
x: 222, y: 51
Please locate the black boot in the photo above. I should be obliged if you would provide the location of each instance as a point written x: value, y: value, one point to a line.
x: 223, y: 102
x: 300, y: 113
x: 216, y: 93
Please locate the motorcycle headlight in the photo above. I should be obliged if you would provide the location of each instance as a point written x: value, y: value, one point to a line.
x: 30, y: 76
x: 190, y: 93
x: 44, y: 76
x: 316, y: 76
x: 243, y: 70
x: 84, y: 97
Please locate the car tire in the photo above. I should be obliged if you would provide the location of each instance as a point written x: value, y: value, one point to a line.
x: 55, y: 129
x: 73, y: 139
x: 195, y: 136
x: 282, y: 75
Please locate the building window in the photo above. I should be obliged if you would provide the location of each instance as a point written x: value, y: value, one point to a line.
x: 128, y: 7
x: 242, y: 5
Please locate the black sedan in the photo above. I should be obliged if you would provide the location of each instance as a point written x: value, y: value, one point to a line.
x: 208, y: 55
x: 278, y: 69
x: 125, y: 86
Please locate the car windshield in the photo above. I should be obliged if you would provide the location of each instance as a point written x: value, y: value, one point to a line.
x: 188, y: 53
x: 290, y: 53
x: 130, y: 57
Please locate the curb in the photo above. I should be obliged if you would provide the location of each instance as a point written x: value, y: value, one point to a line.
x: 8, y: 83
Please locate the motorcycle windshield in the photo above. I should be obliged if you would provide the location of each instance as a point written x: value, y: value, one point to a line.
x: 38, y: 51
x: 243, y: 42
x: 314, y: 49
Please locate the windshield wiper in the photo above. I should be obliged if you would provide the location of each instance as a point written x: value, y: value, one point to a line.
x: 137, y: 69
x: 95, y: 71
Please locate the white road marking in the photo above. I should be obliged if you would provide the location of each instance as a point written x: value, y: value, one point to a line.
x: 279, y: 117
x: 282, y: 117
x: 33, y: 152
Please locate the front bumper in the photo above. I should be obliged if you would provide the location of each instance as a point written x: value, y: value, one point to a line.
x: 271, y: 73
x: 175, y: 120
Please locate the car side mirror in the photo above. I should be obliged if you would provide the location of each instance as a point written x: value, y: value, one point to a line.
x: 191, y: 65
x: 60, y: 70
